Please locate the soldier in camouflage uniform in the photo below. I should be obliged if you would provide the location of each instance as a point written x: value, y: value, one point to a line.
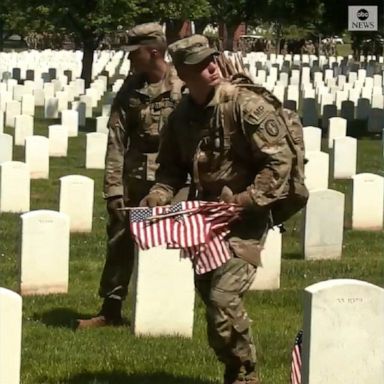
x: 138, y: 113
x: 232, y: 141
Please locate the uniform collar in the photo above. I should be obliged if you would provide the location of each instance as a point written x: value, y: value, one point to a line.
x: 166, y: 82
x: 214, y: 100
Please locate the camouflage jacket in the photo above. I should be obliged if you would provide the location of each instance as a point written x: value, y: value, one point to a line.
x: 255, y: 158
x: 138, y: 113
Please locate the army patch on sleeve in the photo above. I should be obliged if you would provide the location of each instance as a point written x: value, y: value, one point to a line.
x: 272, y: 128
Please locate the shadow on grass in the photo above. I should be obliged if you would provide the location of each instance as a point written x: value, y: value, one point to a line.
x: 292, y: 256
x: 60, y: 317
x: 126, y: 378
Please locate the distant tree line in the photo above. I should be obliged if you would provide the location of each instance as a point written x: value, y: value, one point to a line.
x: 87, y: 24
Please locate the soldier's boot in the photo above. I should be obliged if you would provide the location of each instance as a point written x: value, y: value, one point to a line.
x: 109, y: 315
x: 245, y: 374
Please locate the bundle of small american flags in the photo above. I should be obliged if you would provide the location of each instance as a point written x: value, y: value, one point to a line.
x: 197, y: 227
x: 296, y: 359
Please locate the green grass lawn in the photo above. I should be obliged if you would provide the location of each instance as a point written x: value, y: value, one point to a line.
x: 53, y: 353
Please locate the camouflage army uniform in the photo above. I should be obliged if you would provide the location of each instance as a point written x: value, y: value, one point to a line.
x: 254, y: 161
x: 138, y: 114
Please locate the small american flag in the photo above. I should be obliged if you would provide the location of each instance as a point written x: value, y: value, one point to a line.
x: 296, y: 359
x: 197, y: 227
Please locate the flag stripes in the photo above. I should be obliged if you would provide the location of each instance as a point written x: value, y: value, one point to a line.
x: 197, y: 227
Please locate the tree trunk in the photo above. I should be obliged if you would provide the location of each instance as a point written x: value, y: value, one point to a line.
x: 1, y: 35
x: 88, y: 51
x: 228, y: 35
x: 172, y: 30
x: 200, y: 26
x: 278, y: 37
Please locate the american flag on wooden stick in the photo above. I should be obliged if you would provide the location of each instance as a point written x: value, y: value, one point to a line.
x: 197, y: 227
x: 296, y: 359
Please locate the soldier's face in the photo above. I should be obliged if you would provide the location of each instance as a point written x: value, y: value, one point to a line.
x: 140, y: 59
x: 203, y: 74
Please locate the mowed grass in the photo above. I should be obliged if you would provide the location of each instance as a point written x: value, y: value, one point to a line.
x: 53, y: 353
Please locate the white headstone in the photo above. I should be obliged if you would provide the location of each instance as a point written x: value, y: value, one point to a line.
x: 44, y: 255
x: 93, y: 94
x: 51, y: 108
x: 340, y: 97
x: 37, y: 156
x: 323, y: 224
x: 6, y: 147
x: 293, y: 94
x: 101, y: 124
x: 337, y: 128
x: 58, y: 140
x: 62, y: 100
x: 367, y: 202
x: 39, y: 97
x: 13, y: 109
x: 1, y: 120
x: 106, y: 110
x: 279, y: 92
x: 80, y: 86
x: 79, y: 211
x: 327, y: 99
x: 18, y: 92
x: 312, y: 138
x: 343, y: 340
x: 161, y: 274
x: 79, y: 106
x: 88, y: 104
x: 10, y: 336
x: 377, y: 101
x: 28, y: 105
x: 96, y: 149
x: 14, y: 187
x: 344, y: 157
x: 316, y: 170
x: 23, y: 128
x: 366, y: 93
x: 70, y: 120
x: 268, y: 275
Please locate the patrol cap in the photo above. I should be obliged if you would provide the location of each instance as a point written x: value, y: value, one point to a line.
x: 191, y: 50
x: 145, y: 34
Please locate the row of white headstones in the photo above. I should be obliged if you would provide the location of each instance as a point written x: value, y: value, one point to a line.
x: 343, y: 340
x: 38, y: 226
x: 356, y: 95
x: 322, y: 238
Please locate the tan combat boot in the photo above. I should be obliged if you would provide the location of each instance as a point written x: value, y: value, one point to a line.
x: 110, y: 315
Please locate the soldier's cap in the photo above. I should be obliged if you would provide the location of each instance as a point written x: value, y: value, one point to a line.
x: 191, y: 50
x: 145, y: 34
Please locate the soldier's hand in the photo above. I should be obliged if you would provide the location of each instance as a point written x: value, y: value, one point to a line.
x: 226, y: 195
x: 114, y: 205
x: 244, y: 199
x: 153, y: 199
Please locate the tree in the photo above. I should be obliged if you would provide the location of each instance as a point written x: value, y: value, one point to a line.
x: 283, y: 14
x: 175, y: 13
x: 229, y: 14
x: 87, y: 20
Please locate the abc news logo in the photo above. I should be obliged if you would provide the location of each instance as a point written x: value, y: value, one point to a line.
x: 362, y: 15
x: 362, y: 18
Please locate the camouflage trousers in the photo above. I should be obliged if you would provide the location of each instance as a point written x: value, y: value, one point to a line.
x: 119, y: 262
x: 228, y: 324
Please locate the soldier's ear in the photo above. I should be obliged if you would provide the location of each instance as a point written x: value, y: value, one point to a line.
x: 154, y: 52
